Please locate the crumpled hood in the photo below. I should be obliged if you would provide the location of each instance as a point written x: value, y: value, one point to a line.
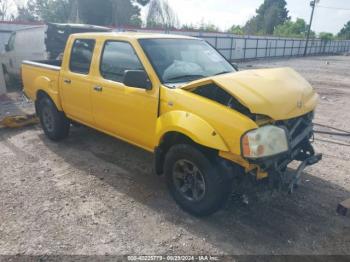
x: 279, y: 93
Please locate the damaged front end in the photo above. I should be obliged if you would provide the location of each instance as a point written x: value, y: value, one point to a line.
x: 272, y: 146
x: 299, y: 134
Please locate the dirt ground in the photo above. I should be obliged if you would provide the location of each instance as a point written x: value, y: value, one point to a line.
x: 92, y: 194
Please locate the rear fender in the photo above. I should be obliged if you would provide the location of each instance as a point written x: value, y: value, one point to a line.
x: 49, y: 86
x: 191, y: 126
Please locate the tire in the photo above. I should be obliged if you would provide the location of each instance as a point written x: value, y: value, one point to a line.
x: 212, y: 188
x: 54, y: 123
x: 12, y: 83
x: 7, y: 78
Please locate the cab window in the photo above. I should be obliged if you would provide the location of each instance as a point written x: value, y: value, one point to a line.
x: 117, y: 57
x: 81, y: 56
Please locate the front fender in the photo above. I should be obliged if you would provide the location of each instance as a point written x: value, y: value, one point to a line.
x: 192, y: 126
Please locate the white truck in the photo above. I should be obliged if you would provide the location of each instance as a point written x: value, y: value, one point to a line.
x: 41, y: 42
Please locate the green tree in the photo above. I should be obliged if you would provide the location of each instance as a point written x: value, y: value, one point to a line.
x: 161, y: 15
x: 326, y: 36
x: 126, y: 12
x: 268, y: 16
x: 236, y: 30
x: 57, y: 11
x: 345, y: 31
x: 27, y: 12
x: 208, y: 27
x: 292, y: 29
x: 5, y: 6
x: 107, y: 12
x: 110, y: 12
x: 189, y: 27
x: 95, y: 12
x: 47, y: 10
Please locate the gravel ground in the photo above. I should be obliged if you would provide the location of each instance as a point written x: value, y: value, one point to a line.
x: 94, y: 195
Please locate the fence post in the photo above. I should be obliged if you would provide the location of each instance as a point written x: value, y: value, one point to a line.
x: 257, y: 46
x: 284, y: 48
x: 267, y: 43
x: 276, y: 44
x: 291, y: 53
x: 320, y: 42
x: 231, y: 50
x: 245, y: 46
x: 2, y: 82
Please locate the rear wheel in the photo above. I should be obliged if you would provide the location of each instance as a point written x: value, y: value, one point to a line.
x: 7, y: 77
x: 54, y: 123
x: 194, y: 181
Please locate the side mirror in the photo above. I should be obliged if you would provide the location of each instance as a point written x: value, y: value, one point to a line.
x: 137, y: 79
x: 235, y: 66
x: 7, y: 47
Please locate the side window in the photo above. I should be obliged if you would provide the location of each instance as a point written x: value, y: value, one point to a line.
x: 117, y: 57
x: 11, y: 43
x: 81, y: 56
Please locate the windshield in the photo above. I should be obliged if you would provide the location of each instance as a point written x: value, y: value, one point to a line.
x: 184, y: 60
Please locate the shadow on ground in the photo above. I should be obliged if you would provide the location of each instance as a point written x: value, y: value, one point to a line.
x: 302, y: 223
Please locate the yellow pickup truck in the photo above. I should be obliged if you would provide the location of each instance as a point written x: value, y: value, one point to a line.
x: 208, y: 125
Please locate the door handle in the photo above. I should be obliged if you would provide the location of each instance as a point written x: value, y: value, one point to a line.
x: 98, y: 88
x: 67, y: 81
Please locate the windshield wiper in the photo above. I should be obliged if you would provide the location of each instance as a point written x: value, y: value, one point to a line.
x: 184, y: 77
x: 223, y: 72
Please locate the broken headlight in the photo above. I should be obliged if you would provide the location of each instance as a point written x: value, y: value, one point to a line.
x: 264, y: 142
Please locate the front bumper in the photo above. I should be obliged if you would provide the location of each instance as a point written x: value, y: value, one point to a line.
x: 300, y: 133
x: 296, y: 175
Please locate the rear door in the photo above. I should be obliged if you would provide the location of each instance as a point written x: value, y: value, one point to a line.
x: 75, y: 81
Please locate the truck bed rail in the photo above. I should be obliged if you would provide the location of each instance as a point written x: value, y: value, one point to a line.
x: 42, y: 64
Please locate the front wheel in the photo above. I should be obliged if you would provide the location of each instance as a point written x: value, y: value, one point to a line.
x: 194, y: 181
x: 54, y: 123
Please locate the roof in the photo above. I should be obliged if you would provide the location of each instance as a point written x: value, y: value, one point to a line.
x: 133, y: 35
x: 82, y: 26
x: 74, y: 26
x: 28, y: 28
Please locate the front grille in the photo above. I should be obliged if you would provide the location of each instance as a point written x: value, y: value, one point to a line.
x: 299, y: 128
x: 299, y: 132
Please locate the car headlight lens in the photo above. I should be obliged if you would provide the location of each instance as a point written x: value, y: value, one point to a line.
x: 264, y: 142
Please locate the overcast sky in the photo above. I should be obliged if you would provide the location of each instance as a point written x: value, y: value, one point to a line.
x: 225, y: 13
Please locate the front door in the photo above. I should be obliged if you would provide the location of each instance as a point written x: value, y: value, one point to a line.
x: 127, y: 112
x: 76, y: 82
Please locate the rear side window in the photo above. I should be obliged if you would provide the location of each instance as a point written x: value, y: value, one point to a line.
x: 117, y: 57
x: 81, y: 56
x: 11, y: 42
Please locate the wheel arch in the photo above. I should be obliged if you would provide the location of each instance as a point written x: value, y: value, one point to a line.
x: 182, y: 127
x: 192, y: 126
x: 45, y: 91
x: 172, y: 138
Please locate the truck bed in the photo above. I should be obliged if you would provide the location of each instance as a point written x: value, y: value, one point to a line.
x: 43, y: 74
